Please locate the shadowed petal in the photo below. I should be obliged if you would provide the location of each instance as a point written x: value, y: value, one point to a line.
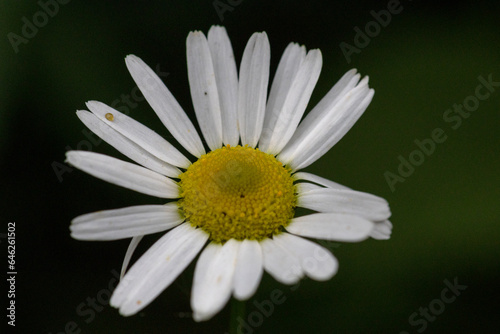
x: 157, y: 268
x: 331, y: 226
x: 213, y: 280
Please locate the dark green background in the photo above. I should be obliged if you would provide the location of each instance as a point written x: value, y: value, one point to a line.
x: 445, y: 215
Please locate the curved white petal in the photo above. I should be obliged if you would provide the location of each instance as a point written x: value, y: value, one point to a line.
x: 157, y: 268
x: 125, y: 145
x: 284, y: 118
x: 330, y: 138
x: 331, y: 226
x: 165, y: 105
x: 226, y: 77
x: 126, y: 222
x: 327, y: 123
x: 128, y: 255
x: 139, y: 134
x: 213, y: 280
x: 289, y: 65
x: 249, y: 269
x: 123, y: 174
x: 304, y: 187
x: 252, y: 89
x: 280, y: 263
x: 316, y: 261
x: 204, y: 91
x: 343, y: 201
x: 382, y: 230
x: 348, y: 81
x: 319, y: 180
x: 203, y: 264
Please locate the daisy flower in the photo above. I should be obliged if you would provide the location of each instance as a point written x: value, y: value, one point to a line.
x: 235, y: 205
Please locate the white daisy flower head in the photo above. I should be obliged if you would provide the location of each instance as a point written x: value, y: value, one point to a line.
x: 235, y: 205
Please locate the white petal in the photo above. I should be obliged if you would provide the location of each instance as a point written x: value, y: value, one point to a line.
x: 343, y: 201
x: 287, y: 70
x: 157, y: 268
x: 382, y: 230
x: 204, y: 89
x: 348, y: 81
x: 139, y: 134
x: 316, y: 261
x: 319, y: 180
x: 278, y: 131
x: 252, y: 89
x: 249, y: 269
x: 213, y: 280
x: 123, y: 174
x: 226, y: 77
x: 327, y: 123
x: 165, y: 105
x: 280, y: 263
x: 128, y: 255
x: 126, y: 222
x: 203, y: 264
x: 304, y: 187
x: 331, y: 226
x: 331, y: 137
x: 125, y: 145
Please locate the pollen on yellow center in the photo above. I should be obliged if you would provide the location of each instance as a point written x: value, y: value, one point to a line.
x: 238, y: 192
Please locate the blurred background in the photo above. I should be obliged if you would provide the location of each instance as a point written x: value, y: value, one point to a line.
x: 422, y: 60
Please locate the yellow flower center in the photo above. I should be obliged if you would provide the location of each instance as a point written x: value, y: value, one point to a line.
x: 238, y: 192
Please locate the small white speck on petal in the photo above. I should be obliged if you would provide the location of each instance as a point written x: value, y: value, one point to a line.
x: 204, y: 91
x: 213, y: 281
x: 139, y: 134
x: 125, y: 145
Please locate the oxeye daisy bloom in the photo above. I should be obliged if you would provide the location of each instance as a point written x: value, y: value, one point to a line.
x: 235, y: 205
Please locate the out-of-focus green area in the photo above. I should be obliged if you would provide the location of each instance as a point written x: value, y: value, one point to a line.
x: 427, y: 60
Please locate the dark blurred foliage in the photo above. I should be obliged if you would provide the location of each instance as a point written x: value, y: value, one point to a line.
x: 445, y: 214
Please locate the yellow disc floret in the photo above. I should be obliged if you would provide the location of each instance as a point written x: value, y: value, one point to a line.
x: 237, y: 192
